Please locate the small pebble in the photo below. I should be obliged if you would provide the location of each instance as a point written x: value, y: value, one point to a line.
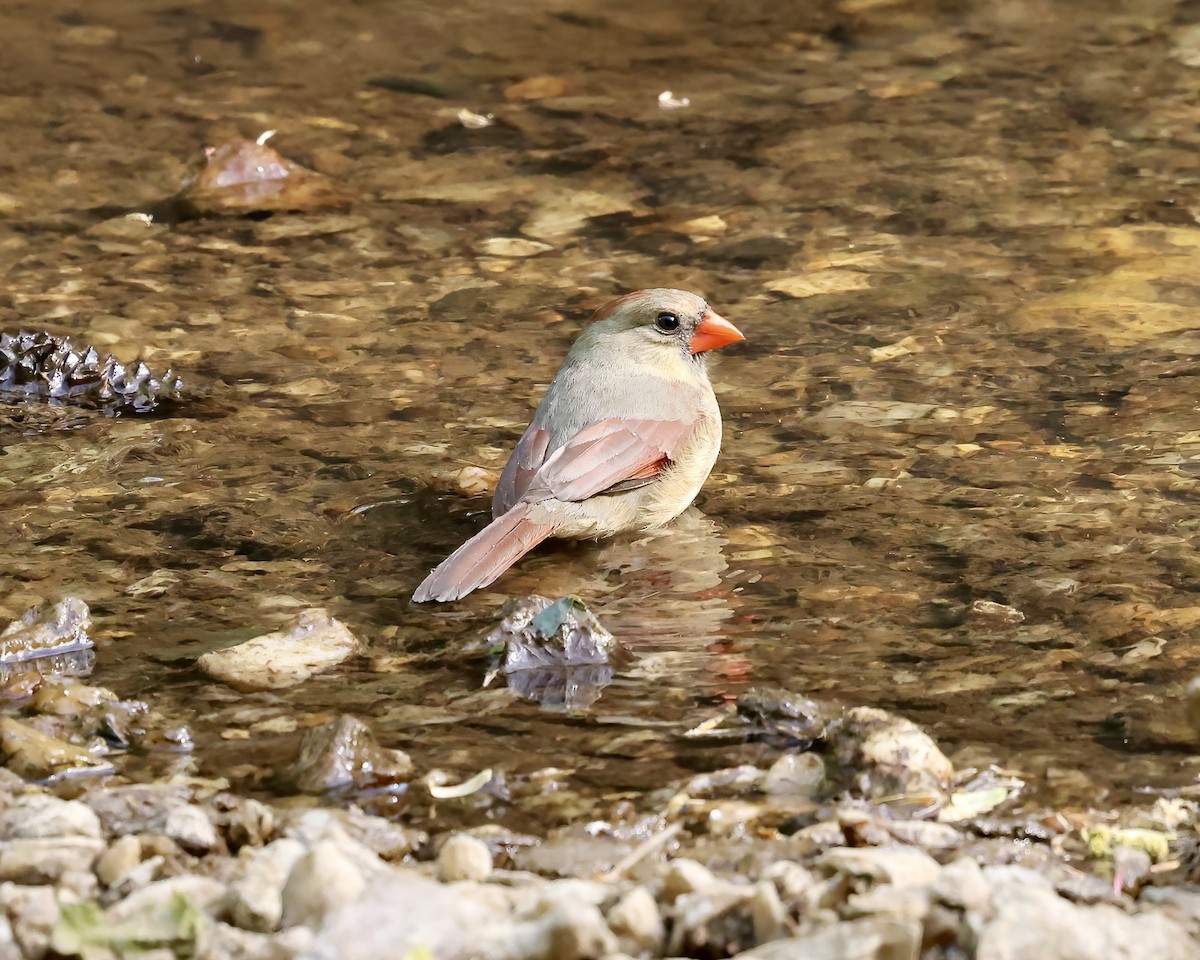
x: 768, y: 913
x: 637, y: 923
x: 464, y: 857
x: 795, y: 774
x: 685, y: 876
x: 190, y: 827
x: 119, y: 860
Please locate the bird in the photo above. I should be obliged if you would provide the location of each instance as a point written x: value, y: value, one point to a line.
x: 625, y: 436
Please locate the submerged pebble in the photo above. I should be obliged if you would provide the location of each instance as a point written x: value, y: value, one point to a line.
x: 313, y: 642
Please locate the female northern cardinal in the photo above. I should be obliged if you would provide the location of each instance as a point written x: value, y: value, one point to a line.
x: 623, y: 440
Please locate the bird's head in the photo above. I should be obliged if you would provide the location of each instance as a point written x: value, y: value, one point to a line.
x: 665, y: 319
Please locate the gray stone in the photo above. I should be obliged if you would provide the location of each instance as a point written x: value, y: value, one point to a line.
x: 884, y: 754
x: 464, y: 857
x: 35, y: 816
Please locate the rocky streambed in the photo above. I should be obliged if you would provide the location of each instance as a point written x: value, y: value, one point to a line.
x: 855, y: 837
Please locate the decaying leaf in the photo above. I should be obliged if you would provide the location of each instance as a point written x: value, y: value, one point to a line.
x: 84, y: 929
x: 240, y: 177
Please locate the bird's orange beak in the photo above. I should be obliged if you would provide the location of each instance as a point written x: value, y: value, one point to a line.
x: 713, y: 331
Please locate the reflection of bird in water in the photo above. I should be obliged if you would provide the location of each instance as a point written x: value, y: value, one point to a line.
x: 665, y: 594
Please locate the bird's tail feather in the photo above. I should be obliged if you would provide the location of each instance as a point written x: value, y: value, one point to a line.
x: 485, y: 556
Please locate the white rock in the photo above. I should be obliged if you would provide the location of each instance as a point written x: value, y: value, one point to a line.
x: 513, y: 247
x: 686, y: 876
x: 314, y: 642
x: 795, y: 774
x: 637, y: 923
x: 119, y: 860
x: 256, y: 896
x: 322, y: 881
x: 9, y: 950
x: 909, y: 903
x: 190, y: 827
x: 33, y: 914
x: 45, y: 861
x: 1031, y: 921
x: 36, y: 815
x: 78, y: 884
x: 797, y: 886
x: 962, y: 884
x: 405, y: 911
x: 767, y: 913
x: 314, y: 826
x: 223, y: 942
x: 563, y: 927
x: 464, y: 857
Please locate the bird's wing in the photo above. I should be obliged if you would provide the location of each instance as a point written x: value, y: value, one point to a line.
x: 607, y: 453
x: 520, y: 469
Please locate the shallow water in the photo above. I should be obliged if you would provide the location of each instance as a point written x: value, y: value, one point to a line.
x: 962, y: 441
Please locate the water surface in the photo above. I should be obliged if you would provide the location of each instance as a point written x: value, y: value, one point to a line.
x: 960, y: 473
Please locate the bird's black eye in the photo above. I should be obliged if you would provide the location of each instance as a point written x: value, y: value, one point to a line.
x: 666, y: 322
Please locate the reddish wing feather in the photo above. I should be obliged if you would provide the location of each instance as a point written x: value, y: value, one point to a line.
x: 520, y: 470
x: 608, y: 452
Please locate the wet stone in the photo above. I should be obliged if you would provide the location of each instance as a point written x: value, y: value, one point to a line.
x: 314, y: 642
x: 45, y: 631
x: 342, y: 755
x: 555, y: 652
x: 39, y: 756
x: 883, y: 754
